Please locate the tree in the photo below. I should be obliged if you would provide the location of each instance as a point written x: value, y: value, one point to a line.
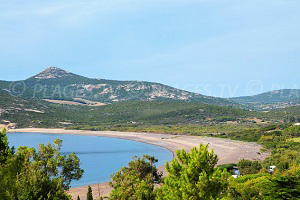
x: 249, y: 167
x: 193, y: 176
x: 89, y: 195
x: 293, y: 131
x: 253, y: 186
x: 266, y: 186
x: 283, y: 158
x: 42, y: 174
x: 136, y: 181
x: 5, y: 150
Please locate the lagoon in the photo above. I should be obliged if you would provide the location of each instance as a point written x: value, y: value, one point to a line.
x: 100, y: 156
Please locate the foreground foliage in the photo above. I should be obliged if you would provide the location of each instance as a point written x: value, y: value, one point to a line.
x: 261, y: 183
x: 136, y: 181
x: 193, y: 176
x: 43, y: 174
x: 89, y: 194
x: 190, y: 176
x: 266, y: 186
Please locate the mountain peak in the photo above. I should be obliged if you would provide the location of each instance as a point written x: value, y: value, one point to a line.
x: 53, y: 72
x: 53, y: 68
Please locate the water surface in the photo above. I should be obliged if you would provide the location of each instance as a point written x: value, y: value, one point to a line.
x: 99, y: 156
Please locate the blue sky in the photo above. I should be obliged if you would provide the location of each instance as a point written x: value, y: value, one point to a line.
x: 214, y: 47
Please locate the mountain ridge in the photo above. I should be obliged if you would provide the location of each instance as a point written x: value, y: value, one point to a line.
x: 58, y: 84
x: 270, y: 100
x: 54, y: 83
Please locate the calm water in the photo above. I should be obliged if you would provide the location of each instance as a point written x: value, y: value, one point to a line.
x: 100, y: 156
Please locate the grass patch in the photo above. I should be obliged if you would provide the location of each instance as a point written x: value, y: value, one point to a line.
x: 293, y: 140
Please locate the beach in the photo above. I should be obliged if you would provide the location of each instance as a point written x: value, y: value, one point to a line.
x: 228, y: 151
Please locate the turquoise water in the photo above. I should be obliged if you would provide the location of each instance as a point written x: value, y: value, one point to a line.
x: 99, y: 156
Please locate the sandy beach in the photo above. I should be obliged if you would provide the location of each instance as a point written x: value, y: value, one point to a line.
x: 228, y: 151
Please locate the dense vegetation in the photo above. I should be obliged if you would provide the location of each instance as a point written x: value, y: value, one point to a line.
x: 137, y: 181
x: 36, y: 113
x: 190, y: 176
x: 258, y: 182
x: 270, y: 100
x: 291, y: 114
x: 193, y: 176
x: 45, y: 174
x: 39, y: 113
x: 30, y: 174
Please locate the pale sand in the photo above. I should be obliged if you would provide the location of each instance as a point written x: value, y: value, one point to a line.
x: 228, y: 151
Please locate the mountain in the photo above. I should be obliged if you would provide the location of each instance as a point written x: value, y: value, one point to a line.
x: 57, y: 84
x: 54, y: 73
x: 270, y: 100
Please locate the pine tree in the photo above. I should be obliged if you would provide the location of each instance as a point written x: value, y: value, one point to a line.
x: 137, y: 180
x: 89, y: 195
x: 193, y: 176
x: 5, y: 151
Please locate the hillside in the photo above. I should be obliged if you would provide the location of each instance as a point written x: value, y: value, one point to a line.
x: 30, y: 112
x: 288, y: 114
x: 38, y: 113
x: 270, y: 100
x: 57, y: 84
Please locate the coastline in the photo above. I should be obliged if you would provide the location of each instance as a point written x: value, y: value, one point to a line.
x: 228, y: 151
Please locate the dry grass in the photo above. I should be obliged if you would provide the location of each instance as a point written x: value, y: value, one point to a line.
x: 87, y: 102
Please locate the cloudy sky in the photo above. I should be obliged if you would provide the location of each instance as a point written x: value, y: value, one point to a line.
x: 214, y: 47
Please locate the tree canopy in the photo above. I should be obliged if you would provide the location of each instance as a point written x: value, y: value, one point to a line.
x: 137, y: 180
x: 42, y: 174
x: 193, y: 176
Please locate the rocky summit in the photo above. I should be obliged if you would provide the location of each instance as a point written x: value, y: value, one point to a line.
x: 52, y: 72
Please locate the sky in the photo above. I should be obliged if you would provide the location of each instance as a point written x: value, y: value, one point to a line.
x: 221, y: 48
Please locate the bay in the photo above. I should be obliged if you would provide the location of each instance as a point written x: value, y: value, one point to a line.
x: 100, y: 157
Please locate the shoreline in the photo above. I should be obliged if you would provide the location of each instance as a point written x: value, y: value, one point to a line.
x: 86, y: 133
x: 228, y: 151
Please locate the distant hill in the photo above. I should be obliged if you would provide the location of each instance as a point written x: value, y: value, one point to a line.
x: 55, y: 83
x: 270, y: 100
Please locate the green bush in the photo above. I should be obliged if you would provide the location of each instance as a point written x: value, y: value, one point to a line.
x: 249, y: 167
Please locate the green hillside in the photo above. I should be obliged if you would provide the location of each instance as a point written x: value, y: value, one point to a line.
x: 39, y: 113
x: 288, y: 114
x: 270, y: 97
x: 270, y: 100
